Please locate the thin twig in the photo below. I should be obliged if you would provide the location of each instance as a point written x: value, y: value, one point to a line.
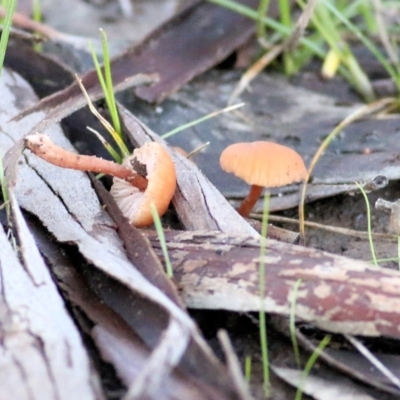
x: 233, y: 365
x: 373, y: 360
x: 330, y: 228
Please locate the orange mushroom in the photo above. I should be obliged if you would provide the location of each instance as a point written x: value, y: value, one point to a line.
x: 146, y: 177
x: 159, y: 170
x: 262, y: 164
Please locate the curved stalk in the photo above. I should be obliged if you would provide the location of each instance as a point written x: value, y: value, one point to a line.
x: 250, y: 200
x: 43, y: 147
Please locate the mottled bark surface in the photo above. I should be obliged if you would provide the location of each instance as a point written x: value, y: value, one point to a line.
x: 218, y: 271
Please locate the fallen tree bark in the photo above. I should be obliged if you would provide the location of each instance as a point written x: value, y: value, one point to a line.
x: 219, y: 271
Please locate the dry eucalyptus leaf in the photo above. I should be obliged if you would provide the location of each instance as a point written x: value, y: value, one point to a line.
x: 116, y: 341
x: 348, y: 362
x: 323, y: 388
x: 43, y: 356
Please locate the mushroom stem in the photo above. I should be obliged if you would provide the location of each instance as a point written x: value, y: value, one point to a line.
x: 250, y: 200
x: 44, y: 148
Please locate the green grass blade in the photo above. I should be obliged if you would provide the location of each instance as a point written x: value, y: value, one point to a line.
x: 247, y: 369
x: 273, y: 24
x: 198, y: 121
x: 4, y: 190
x: 326, y: 26
x: 286, y: 13
x: 10, y: 6
x: 310, y: 363
x: 366, y: 10
x: 37, y: 17
x: 359, y: 79
x: 37, y: 11
x: 366, y: 42
x: 286, y: 20
x: 161, y: 238
x: 106, y: 91
x: 110, y: 98
x: 261, y: 12
x: 262, y: 316
x: 99, y: 72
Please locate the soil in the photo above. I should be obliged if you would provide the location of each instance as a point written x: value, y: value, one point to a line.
x: 349, y: 211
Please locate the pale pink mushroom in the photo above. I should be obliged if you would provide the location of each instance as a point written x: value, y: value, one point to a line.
x: 155, y: 163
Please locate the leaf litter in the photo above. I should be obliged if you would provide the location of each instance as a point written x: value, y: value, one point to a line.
x: 69, y: 209
x: 73, y: 220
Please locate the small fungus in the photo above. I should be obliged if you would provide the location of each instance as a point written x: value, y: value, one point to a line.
x: 144, y: 178
x: 160, y: 174
x: 262, y: 164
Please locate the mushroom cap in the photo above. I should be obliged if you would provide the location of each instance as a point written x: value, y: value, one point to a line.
x: 161, y: 176
x: 264, y: 164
